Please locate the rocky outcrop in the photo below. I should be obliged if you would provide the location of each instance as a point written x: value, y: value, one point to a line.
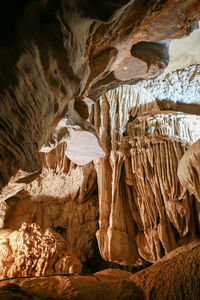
x: 32, y: 251
x: 176, y: 276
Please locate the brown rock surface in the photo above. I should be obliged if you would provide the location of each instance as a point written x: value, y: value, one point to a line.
x: 144, y: 210
x: 189, y: 170
x: 149, y: 59
x: 105, y: 285
x: 31, y: 251
x: 64, y: 198
x: 53, y: 52
x: 176, y: 276
x: 55, y: 55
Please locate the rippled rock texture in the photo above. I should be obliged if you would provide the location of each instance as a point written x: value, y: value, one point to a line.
x: 144, y: 210
x: 189, y: 170
x: 31, y: 251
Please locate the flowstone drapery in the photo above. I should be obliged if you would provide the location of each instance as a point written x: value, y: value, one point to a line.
x: 144, y: 210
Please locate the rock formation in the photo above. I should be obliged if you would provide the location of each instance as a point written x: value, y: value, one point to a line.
x: 176, y: 276
x: 104, y: 285
x: 189, y: 170
x: 64, y: 198
x: 61, y: 51
x: 99, y: 142
x: 180, y: 87
x: 144, y: 210
x: 34, y: 252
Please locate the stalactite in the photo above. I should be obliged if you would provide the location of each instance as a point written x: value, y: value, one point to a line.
x: 144, y: 210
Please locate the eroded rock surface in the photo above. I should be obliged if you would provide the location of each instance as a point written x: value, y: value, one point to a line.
x: 178, y: 87
x: 149, y: 58
x: 189, y: 170
x: 31, y: 251
x: 62, y: 53
x: 81, y: 141
x: 144, y: 210
x: 176, y: 276
x: 104, y: 285
x: 59, y: 52
x: 64, y: 198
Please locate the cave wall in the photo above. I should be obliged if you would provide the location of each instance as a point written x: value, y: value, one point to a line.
x: 64, y: 56
x: 63, y: 198
x: 131, y: 199
x: 144, y: 210
x: 60, y: 51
